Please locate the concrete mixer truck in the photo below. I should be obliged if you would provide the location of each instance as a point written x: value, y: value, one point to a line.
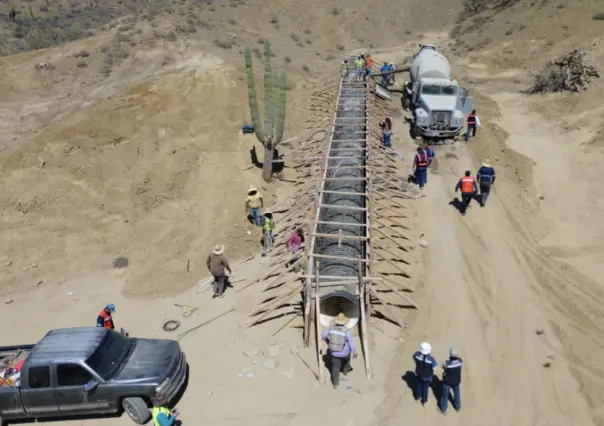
x: 439, y: 104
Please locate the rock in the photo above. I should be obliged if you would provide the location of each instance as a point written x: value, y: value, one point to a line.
x: 9, y: 263
x: 270, y: 364
x: 38, y: 283
x: 273, y: 351
x: 423, y: 243
x: 539, y: 331
x: 246, y: 372
x: 8, y: 301
x: 251, y: 353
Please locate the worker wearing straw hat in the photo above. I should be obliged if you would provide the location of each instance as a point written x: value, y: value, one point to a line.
x: 254, y: 204
x: 340, y: 345
x: 218, y: 264
x: 485, y: 178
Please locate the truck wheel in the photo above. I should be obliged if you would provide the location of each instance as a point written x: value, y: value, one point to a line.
x: 406, y: 103
x: 137, y: 410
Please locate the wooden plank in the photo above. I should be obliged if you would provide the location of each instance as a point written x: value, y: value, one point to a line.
x: 341, y: 237
x: 324, y: 256
x: 384, y: 305
x: 364, y: 330
x: 342, y: 193
x: 318, y: 326
x: 323, y: 222
x: 336, y: 207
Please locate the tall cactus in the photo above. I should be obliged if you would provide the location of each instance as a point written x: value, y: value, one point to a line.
x: 275, y: 95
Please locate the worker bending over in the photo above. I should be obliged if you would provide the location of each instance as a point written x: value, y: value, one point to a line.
x: 340, y: 346
x: 105, y: 318
x: 485, y: 178
x: 468, y: 188
x: 161, y: 414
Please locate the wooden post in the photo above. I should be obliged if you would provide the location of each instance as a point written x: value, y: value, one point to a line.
x: 318, y: 325
x: 307, y: 313
x: 363, y: 322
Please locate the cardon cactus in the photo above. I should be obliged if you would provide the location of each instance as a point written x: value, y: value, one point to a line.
x: 270, y: 134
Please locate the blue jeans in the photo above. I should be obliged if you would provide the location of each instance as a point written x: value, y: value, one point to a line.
x: 444, y: 399
x: 387, y: 140
x: 422, y: 389
x: 255, y: 213
x: 471, y: 131
x: 421, y: 175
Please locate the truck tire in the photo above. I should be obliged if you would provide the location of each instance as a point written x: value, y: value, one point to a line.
x: 406, y: 102
x: 137, y: 409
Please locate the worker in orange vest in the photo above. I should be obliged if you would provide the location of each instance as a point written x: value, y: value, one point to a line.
x: 105, y: 319
x: 473, y: 122
x: 421, y: 163
x: 468, y: 188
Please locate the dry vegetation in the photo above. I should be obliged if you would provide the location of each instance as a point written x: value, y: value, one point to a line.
x: 569, y: 73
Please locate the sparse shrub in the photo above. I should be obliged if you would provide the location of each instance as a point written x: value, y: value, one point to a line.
x: 123, y: 38
x: 287, y: 60
x: 598, y: 16
x: 334, y: 11
x: 82, y: 54
x: 305, y: 68
x: 224, y: 44
x: 81, y: 64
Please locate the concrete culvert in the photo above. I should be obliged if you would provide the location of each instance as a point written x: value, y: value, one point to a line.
x: 333, y: 303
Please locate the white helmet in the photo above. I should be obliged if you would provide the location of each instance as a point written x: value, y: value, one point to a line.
x: 425, y: 348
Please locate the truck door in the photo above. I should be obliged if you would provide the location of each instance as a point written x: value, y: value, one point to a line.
x: 71, y: 395
x: 465, y: 103
x: 10, y: 403
x: 37, y: 393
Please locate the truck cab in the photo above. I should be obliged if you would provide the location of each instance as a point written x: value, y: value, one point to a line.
x: 89, y: 371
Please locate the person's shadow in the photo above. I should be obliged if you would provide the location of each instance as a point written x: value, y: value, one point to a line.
x: 458, y: 204
x: 411, y: 380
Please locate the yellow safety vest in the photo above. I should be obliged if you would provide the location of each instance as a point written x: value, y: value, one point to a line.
x: 268, y: 224
x: 155, y: 411
x: 358, y: 63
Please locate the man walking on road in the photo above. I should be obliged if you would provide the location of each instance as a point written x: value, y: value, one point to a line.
x: 217, y: 264
x: 451, y: 381
x: 485, y: 178
x: 424, y: 371
x: 468, y: 188
x: 421, y: 163
x: 340, y: 345
x: 473, y: 122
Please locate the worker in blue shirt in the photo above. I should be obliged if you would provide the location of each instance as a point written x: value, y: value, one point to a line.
x: 161, y: 414
x: 385, y: 78
x: 485, y: 178
x: 424, y: 371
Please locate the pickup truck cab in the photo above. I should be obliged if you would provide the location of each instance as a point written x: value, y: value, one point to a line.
x: 90, y: 371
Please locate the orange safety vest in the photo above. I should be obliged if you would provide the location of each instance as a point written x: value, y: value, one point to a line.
x: 107, y: 320
x: 423, y: 159
x: 467, y: 184
x: 472, y: 119
x: 368, y: 62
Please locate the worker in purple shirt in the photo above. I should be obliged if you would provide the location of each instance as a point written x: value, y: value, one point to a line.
x: 340, y: 346
x: 424, y: 371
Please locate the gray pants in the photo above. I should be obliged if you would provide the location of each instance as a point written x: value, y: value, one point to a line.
x: 339, y: 365
x: 485, y: 189
x: 219, y: 284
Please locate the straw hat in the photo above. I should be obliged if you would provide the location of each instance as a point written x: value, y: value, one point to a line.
x: 252, y: 188
x: 218, y: 249
x: 486, y: 163
x: 425, y: 348
x: 341, y: 319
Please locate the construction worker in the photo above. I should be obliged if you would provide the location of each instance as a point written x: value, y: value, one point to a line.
x: 340, y: 346
x: 424, y: 371
x: 391, y: 76
x: 431, y: 155
x: 384, y: 78
x: 105, y: 318
x: 386, y: 126
x: 468, y: 188
x: 254, y: 204
x: 217, y: 264
x: 473, y: 122
x: 359, y: 64
x: 267, y: 231
x: 344, y: 67
x: 451, y: 381
x: 485, y: 178
x: 161, y: 414
x: 295, y: 243
x: 368, y: 65
x: 421, y: 163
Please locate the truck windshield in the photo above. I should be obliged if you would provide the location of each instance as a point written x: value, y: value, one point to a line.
x: 110, y: 355
x: 439, y: 90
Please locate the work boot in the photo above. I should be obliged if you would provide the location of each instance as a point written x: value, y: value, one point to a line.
x: 335, y: 386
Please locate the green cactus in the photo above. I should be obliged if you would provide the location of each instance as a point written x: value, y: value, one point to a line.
x: 275, y: 95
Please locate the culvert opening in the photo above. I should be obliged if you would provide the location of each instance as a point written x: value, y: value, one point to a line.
x: 333, y: 303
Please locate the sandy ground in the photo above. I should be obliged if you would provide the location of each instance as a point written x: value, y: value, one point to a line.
x: 149, y: 165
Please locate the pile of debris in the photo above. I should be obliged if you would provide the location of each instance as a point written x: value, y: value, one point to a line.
x: 567, y: 74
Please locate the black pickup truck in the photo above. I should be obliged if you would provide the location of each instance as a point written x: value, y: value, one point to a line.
x: 90, y: 371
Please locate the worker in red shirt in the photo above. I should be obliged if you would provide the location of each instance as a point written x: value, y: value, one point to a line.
x: 105, y: 319
x: 473, y: 122
x: 468, y: 188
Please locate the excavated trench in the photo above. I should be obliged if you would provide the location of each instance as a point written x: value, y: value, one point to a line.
x: 348, y: 140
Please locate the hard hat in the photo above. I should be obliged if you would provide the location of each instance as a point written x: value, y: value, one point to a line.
x: 111, y: 307
x: 453, y: 352
x: 425, y: 348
